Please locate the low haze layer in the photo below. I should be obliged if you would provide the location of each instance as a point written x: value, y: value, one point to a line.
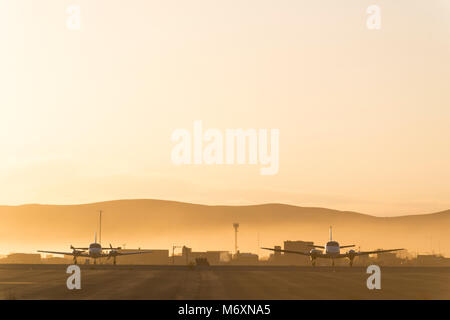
x: 161, y: 224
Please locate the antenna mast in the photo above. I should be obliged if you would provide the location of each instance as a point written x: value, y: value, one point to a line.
x: 236, y: 227
x: 100, y: 233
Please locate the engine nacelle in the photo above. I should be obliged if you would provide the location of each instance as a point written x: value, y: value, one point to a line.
x: 315, y: 252
x: 351, y: 253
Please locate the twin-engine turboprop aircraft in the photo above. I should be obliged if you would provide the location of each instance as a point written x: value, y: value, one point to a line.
x: 95, y: 251
x: 332, y: 251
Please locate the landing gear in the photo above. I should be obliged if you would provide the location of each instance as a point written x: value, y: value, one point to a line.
x: 351, y: 262
x: 313, y: 262
x: 75, y: 260
x: 114, y: 261
x: 95, y: 261
x: 332, y: 263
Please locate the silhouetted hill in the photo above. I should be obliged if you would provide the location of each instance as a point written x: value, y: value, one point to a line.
x: 161, y: 224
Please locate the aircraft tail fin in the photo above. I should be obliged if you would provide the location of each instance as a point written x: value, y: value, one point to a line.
x: 331, y: 233
x: 95, y: 238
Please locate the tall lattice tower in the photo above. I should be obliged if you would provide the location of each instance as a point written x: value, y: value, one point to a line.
x: 236, y: 227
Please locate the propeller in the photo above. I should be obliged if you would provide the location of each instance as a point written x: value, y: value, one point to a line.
x: 114, y: 249
x: 75, y: 251
x: 351, y: 255
x: 113, y: 253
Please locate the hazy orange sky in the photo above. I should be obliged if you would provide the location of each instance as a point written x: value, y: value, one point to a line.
x: 363, y: 114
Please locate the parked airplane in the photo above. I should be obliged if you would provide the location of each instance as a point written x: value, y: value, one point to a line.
x: 95, y: 251
x: 332, y: 251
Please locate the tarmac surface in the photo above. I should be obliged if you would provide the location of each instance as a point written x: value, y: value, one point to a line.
x: 222, y: 282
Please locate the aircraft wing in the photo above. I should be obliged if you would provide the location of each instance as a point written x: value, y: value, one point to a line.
x: 334, y: 256
x: 65, y: 253
x: 289, y: 251
x: 132, y: 252
x: 314, y: 246
x: 376, y: 251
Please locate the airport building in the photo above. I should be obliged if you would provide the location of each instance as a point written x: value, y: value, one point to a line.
x: 50, y: 259
x: 189, y: 257
x: 388, y: 259
x: 282, y: 258
x: 156, y: 257
x: 25, y: 258
x: 245, y: 258
x: 432, y: 260
x: 364, y: 261
x: 302, y: 246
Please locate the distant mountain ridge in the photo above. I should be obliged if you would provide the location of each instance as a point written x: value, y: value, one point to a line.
x: 162, y: 223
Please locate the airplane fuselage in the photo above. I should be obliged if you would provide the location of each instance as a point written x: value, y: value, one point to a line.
x: 95, y: 250
x: 332, y: 248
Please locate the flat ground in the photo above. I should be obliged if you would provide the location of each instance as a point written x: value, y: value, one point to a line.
x: 222, y: 282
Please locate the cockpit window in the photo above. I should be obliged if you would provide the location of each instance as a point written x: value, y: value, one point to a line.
x: 95, y: 245
x: 332, y: 244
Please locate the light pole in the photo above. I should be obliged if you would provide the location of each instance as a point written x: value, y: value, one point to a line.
x: 236, y: 227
